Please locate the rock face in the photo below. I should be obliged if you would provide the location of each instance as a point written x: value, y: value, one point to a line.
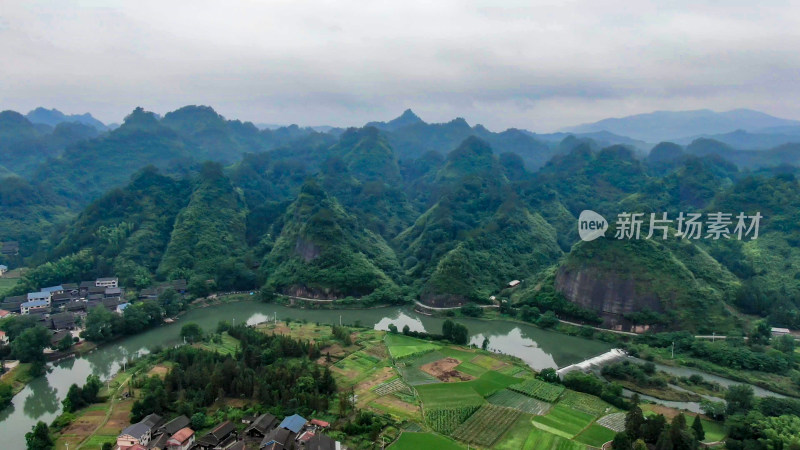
x: 608, y: 293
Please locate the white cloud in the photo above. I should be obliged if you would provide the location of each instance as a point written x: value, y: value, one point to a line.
x: 538, y: 65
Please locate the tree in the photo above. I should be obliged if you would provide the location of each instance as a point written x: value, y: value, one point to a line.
x: 191, y: 332
x: 64, y: 344
x: 664, y: 441
x: 30, y: 344
x: 485, y: 343
x: 760, y: 333
x: 784, y: 343
x: 549, y: 375
x: 697, y: 427
x: 91, y: 389
x: 392, y: 328
x: 472, y: 310
x: 460, y: 334
x: 447, y: 329
x: 739, y: 399
x: 621, y: 441
x: 634, y: 421
x: 639, y: 445
x: 198, y: 420
x: 653, y: 427
x: 39, y: 438
x: 547, y: 320
x: 406, y: 330
x: 715, y: 410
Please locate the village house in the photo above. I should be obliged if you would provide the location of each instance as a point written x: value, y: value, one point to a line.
x: 3, y: 269
x: 322, y: 442
x: 34, y: 307
x: 139, y: 433
x: 52, y: 290
x: 182, y: 440
x: 62, y: 321
x: 111, y: 282
x: 35, y: 296
x: 222, y: 435
x: 10, y: 248
x: 261, y: 425
x: 4, y: 313
x: 277, y: 439
x: 3, y: 338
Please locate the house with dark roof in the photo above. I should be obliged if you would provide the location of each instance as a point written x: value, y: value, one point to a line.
x: 295, y: 423
x: 134, y: 434
x: 150, y: 293
x: 154, y: 421
x: 159, y: 442
x: 175, y: 425
x: 261, y: 425
x: 74, y: 307
x: 278, y: 439
x: 62, y: 321
x: 113, y: 292
x: 239, y: 445
x: 321, y: 442
x: 217, y: 436
x: 63, y: 298
x: 10, y: 248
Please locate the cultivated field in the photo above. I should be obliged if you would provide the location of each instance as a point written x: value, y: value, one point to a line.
x: 524, y: 436
x: 595, y: 436
x: 520, y: 402
x: 563, y: 421
x: 406, y: 347
x: 486, y: 425
x: 539, y: 389
x: 445, y: 420
x: 586, y: 403
x: 615, y: 422
x: 416, y: 441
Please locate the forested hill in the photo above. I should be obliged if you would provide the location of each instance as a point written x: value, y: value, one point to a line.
x: 447, y: 214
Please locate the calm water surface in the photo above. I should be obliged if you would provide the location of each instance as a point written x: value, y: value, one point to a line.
x: 41, y: 399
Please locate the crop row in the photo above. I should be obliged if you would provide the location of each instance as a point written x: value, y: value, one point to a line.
x: 487, y: 425
x: 520, y: 402
x: 538, y: 389
x: 445, y: 420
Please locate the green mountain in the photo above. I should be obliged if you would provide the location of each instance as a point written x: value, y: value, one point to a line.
x: 322, y: 251
x: 128, y: 228
x: 513, y: 244
x: 208, y: 238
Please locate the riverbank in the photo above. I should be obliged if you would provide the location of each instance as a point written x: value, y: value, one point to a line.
x: 18, y: 377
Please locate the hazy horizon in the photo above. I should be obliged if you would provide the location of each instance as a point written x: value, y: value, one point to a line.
x: 539, y: 67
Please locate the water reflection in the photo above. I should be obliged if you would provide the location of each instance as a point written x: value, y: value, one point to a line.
x: 41, y: 399
x: 401, y: 320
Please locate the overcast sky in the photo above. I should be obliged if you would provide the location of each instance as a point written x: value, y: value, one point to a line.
x: 539, y: 65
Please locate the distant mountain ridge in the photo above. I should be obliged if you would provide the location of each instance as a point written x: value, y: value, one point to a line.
x: 670, y: 125
x: 53, y: 117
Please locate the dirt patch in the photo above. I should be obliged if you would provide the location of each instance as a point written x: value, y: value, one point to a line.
x: 378, y: 351
x: 393, y: 403
x: 159, y: 370
x: 379, y: 377
x: 444, y: 370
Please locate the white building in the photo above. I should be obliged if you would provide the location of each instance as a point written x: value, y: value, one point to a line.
x: 33, y: 306
x: 3, y: 269
x: 110, y: 282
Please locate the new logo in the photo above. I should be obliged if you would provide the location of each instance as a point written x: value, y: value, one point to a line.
x: 591, y: 225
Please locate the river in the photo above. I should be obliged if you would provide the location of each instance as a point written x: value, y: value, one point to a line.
x: 41, y: 399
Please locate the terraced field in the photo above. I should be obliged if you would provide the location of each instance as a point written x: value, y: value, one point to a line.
x: 415, y: 441
x: 447, y: 395
x: 615, y: 422
x: 563, y: 421
x: 524, y: 436
x: 539, y: 389
x: 595, y: 436
x: 406, y: 347
x: 486, y: 425
x: 445, y: 420
x: 586, y: 403
x: 520, y: 402
x: 390, y: 387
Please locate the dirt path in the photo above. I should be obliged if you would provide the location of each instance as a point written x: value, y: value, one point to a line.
x: 114, y: 401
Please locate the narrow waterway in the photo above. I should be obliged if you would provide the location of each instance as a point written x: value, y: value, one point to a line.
x: 41, y: 399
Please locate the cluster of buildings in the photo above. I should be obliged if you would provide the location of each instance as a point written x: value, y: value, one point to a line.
x: 60, y: 307
x: 262, y: 432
